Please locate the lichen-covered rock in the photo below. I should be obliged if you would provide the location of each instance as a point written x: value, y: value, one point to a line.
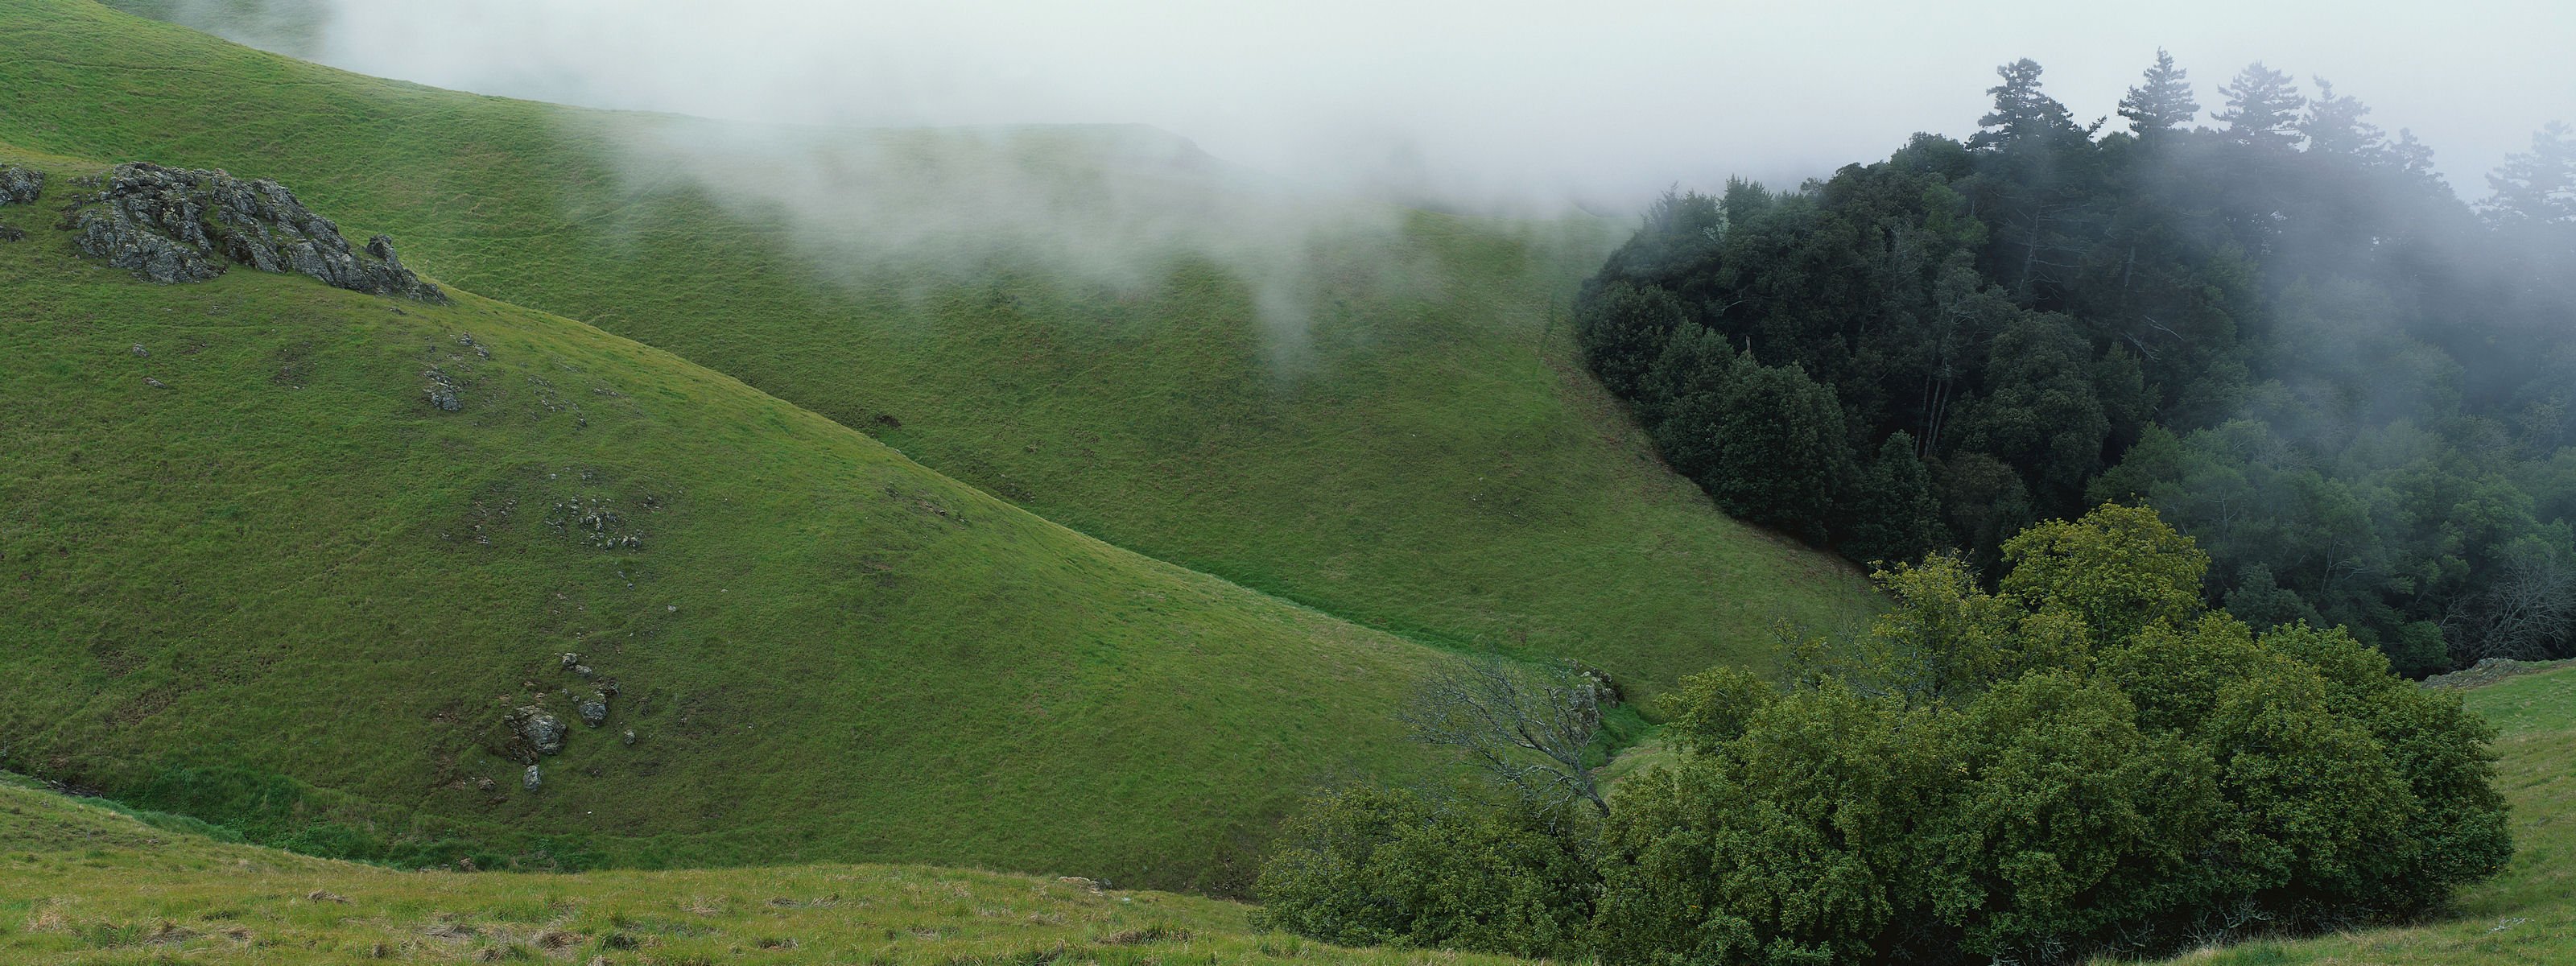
x: 172, y: 225
x: 531, y: 778
x: 441, y: 390
x: 627, y: 739
x: 593, y: 709
x: 20, y: 186
x: 543, y: 732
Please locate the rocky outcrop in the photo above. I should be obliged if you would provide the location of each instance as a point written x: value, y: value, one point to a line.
x: 20, y: 186
x: 171, y: 225
x: 543, y: 732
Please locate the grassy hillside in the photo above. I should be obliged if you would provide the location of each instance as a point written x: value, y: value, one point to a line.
x: 248, y: 572
x: 80, y: 883
x: 2526, y: 915
x: 1371, y: 411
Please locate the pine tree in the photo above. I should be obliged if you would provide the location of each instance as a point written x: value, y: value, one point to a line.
x: 2164, y: 103
x: 2023, y: 117
x: 2262, y: 108
x: 2538, y: 188
x: 2334, y: 126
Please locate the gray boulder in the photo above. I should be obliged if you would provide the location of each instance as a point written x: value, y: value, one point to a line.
x: 531, y: 779
x: 441, y: 390
x: 20, y: 186
x: 543, y: 732
x: 628, y: 738
x: 173, y: 225
x: 593, y: 709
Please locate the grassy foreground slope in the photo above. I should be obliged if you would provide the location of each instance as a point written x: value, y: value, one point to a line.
x: 1374, y: 412
x: 81, y: 883
x: 248, y: 572
x: 2527, y: 914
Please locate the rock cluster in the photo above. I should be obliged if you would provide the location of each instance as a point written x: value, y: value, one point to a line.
x: 441, y: 390
x: 174, y: 225
x: 20, y: 186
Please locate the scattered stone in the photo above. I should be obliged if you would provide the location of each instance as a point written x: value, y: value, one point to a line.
x: 593, y: 709
x: 584, y: 671
x: 154, y: 383
x: 20, y: 186
x: 485, y: 785
x: 172, y: 225
x: 1079, y: 882
x: 324, y: 895
x: 10, y: 233
x: 570, y: 660
x: 140, y: 352
x: 531, y: 779
x: 627, y: 739
x: 543, y: 732
x: 608, y: 687
x: 441, y: 390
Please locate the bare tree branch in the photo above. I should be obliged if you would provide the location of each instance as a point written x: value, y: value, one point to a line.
x: 1527, y: 727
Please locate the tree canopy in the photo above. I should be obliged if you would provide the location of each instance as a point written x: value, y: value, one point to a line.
x: 2285, y: 333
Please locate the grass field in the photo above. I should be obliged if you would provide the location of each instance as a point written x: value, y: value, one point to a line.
x: 82, y: 884
x: 1375, y: 412
x: 2527, y: 914
x: 281, y: 591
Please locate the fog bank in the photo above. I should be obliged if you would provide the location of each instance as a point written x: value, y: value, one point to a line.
x: 1469, y: 104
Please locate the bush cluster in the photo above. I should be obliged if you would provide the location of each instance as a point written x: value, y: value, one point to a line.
x: 2084, y: 761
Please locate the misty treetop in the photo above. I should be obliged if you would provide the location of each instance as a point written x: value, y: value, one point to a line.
x: 2284, y: 330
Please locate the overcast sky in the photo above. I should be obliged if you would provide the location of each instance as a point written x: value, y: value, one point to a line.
x: 1604, y: 100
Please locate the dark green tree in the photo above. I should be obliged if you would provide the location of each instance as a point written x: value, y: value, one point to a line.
x: 1623, y: 329
x: 2023, y: 117
x: 1778, y: 455
x: 2162, y: 103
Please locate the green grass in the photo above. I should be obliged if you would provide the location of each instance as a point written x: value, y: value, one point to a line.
x: 82, y: 884
x: 1426, y: 457
x: 2525, y: 915
x: 286, y: 595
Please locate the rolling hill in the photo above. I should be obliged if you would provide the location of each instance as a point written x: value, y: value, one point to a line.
x: 254, y: 573
x: 68, y: 891
x: 1372, y: 411
x: 80, y: 882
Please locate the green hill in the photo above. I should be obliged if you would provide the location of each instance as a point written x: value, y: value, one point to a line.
x: 254, y: 575
x: 82, y: 883
x: 1372, y: 411
x: 79, y: 882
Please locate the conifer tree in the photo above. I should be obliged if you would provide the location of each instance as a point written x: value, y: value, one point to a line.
x: 2023, y: 117
x: 2163, y: 103
x: 2334, y: 126
x: 2537, y: 188
x: 2262, y: 108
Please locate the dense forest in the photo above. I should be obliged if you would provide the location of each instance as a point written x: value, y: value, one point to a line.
x: 2286, y: 333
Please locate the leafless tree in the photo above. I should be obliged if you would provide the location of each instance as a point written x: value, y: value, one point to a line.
x: 2528, y: 612
x: 1526, y: 726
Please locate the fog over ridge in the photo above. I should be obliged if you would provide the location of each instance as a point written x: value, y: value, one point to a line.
x: 1484, y: 105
